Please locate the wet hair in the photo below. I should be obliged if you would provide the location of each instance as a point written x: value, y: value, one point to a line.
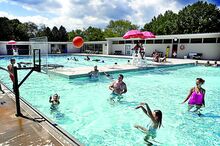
x: 128, y: 60
x: 116, y: 63
x: 158, y: 113
x: 121, y: 76
x: 12, y: 59
x: 200, y: 80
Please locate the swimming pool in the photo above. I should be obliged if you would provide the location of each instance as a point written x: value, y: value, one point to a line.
x: 62, y: 60
x: 86, y: 113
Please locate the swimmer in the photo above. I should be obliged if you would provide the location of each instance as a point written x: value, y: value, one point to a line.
x: 196, y: 96
x: 215, y: 64
x: 11, y: 69
x: 75, y: 59
x: 55, y: 99
x: 196, y: 63
x: 109, y: 76
x: 97, y: 60
x: 156, y: 122
x: 94, y: 73
x: 118, y: 87
x: 87, y: 58
x: 129, y: 63
x: 207, y: 64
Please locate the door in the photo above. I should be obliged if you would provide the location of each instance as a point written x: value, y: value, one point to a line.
x: 174, y: 51
x: 128, y: 50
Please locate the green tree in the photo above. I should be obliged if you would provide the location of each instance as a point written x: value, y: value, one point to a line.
x: 5, y: 29
x: 199, y: 17
x: 74, y: 33
x: 118, y: 28
x: 31, y: 29
x: 55, y: 34
x: 163, y: 24
x: 93, y: 34
x: 63, y: 36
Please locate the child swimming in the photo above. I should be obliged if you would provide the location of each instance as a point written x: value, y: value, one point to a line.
x: 156, y: 122
x: 196, y: 96
x: 55, y: 99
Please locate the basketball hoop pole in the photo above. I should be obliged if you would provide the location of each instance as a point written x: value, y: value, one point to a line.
x: 16, y: 85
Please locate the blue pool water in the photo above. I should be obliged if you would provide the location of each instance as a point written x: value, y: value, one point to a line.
x: 62, y: 60
x: 86, y: 113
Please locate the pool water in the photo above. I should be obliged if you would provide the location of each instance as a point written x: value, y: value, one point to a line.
x: 86, y: 113
x: 63, y: 60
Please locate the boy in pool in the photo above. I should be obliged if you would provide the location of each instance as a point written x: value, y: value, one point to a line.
x: 156, y: 122
x: 55, y: 99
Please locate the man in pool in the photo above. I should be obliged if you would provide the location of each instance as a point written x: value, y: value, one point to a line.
x: 118, y: 87
x: 94, y: 73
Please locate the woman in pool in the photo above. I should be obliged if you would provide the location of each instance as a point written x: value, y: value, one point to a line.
x: 156, y: 121
x: 196, y: 95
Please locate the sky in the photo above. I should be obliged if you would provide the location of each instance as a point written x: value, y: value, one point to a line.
x: 79, y: 14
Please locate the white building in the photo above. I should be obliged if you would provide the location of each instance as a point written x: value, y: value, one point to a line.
x: 206, y: 44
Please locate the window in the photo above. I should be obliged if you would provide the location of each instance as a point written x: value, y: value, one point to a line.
x: 128, y: 42
x: 142, y: 41
x: 184, y: 41
x: 158, y: 41
x: 167, y: 41
x: 115, y: 42
x: 136, y: 41
x: 218, y: 40
x: 121, y: 42
x: 197, y: 40
x: 149, y: 41
x: 209, y: 40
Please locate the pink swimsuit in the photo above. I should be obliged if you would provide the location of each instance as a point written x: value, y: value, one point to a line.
x: 196, y: 98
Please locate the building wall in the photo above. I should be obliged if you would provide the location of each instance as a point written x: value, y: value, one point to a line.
x: 72, y: 49
x: 209, y: 51
x: 3, y: 50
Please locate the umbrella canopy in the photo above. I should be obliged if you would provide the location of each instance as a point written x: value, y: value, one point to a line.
x: 11, y: 42
x: 133, y: 34
x: 148, y: 34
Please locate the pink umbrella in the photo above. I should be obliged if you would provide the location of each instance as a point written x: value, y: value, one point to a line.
x: 147, y: 34
x: 11, y: 42
x: 133, y: 34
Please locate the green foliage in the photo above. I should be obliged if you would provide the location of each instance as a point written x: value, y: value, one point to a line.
x: 118, y: 28
x: 163, y: 24
x: 93, y: 34
x: 200, y: 17
x: 74, y: 33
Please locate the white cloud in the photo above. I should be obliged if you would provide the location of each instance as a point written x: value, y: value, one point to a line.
x: 74, y: 14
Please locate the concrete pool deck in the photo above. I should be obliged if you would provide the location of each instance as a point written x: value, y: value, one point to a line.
x: 83, y: 71
x: 30, y: 129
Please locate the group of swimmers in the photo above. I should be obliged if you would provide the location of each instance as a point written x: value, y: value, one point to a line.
x: 208, y: 64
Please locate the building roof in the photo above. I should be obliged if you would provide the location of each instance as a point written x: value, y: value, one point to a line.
x: 178, y: 36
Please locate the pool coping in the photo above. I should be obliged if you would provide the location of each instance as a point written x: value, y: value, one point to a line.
x: 61, y: 135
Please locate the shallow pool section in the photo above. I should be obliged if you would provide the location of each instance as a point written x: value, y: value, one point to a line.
x: 86, y: 113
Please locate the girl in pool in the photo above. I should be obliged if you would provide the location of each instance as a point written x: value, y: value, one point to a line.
x: 196, y: 95
x: 55, y: 100
x: 156, y: 122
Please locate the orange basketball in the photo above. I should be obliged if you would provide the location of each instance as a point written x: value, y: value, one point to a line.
x: 78, y: 42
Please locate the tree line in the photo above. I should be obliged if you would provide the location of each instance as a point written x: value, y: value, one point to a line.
x: 200, y: 17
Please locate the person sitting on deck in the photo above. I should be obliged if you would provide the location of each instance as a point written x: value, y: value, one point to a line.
x: 156, y: 57
x: 55, y: 99
x: 94, y: 73
x: 164, y: 59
